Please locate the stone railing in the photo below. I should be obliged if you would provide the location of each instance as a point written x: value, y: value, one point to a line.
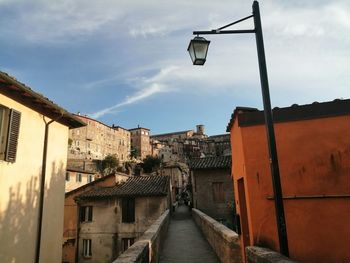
x: 265, y: 255
x: 224, y: 241
x: 148, y: 246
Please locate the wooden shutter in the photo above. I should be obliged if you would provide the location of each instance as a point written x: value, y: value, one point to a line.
x: 82, y: 213
x: 128, y: 210
x: 12, y: 138
x: 218, y: 192
x: 90, y: 213
x: 124, y: 210
x: 131, y: 209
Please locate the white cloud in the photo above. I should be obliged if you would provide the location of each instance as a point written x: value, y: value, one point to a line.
x: 150, y: 87
x: 307, y: 44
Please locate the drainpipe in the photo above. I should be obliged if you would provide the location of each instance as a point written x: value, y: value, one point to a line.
x: 78, y: 233
x: 42, y: 188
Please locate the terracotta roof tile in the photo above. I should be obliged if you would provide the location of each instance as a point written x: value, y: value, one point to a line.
x: 134, y: 186
x: 210, y: 162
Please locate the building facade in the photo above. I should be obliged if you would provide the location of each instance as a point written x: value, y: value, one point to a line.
x: 216, y: 145
x: 185, y: 145
x: 177, y: 181
x: 71, y: 216
x: 76, y: 178
x: 132, y: 207
x: 313, y: 149
x: 33, y: 157
x: 140, y: 142
x: 97, y: 140
x: 212, y: 188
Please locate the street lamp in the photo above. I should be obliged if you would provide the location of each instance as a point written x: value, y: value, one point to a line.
x: 197, y: 48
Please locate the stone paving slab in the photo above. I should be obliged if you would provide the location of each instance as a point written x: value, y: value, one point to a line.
x: 184, y: 242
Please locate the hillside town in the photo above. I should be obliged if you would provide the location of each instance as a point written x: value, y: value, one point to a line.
x: 118, y: 182
x: 77, y: 187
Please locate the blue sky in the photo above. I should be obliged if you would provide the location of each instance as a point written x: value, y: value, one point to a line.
x: 125, y: 62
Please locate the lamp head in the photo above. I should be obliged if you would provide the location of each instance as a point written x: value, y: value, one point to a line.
x: 198, y: 49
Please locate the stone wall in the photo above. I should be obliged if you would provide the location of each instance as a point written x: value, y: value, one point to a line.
x: 97, y: 140
x: 265, y: 255
x: 148, y: 246
x: 224, y: 241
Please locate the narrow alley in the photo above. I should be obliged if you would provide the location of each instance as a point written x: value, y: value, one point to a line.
x: 185, y: 242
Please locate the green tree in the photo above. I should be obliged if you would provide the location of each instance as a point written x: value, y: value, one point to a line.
x: 134, y: 153
x: 109, y: 164
x: 150, y: 163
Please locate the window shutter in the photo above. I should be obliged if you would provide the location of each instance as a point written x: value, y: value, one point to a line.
x: 90, y: 213
x: 131, y: 210
x: 218, y: 192
x: 82, y: 213
x: 13, y: 133
x: 124, y: 210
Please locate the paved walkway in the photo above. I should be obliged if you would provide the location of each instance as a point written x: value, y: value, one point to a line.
x: 184, y: 242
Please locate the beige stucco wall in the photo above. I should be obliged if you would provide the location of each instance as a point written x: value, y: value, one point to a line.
x: 73, y: 183
x: 19, y: 190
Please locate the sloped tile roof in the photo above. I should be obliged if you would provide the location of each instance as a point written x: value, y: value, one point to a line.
x: 134, y: 186
x: 210, y: 163
x: 11, y: 87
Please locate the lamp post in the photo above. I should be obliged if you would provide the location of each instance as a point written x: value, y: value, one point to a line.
x: 198, y: 48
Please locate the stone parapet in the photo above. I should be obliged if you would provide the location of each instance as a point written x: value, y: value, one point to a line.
x: 148, y: 246
x: 224, y: 241
x: 265, y: 255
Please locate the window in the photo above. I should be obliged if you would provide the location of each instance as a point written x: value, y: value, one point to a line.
x: 87, y: 248
x: 218, y: 192
x: 127, y: 242
x: 90, y: 178
x: 86, y: 214
x: 128, y: 210
x: 67, y: 176
x: 9, y: 131
x: 78, y: 177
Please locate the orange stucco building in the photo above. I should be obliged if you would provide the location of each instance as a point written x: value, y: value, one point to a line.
x: 313, y: 144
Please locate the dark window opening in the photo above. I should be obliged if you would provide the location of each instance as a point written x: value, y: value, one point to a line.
x: 127, y: 242
x: 87, y: 248
x: 128, y: 210
x: 86, y: 214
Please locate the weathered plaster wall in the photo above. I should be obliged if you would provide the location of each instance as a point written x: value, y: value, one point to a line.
x: 70, y: 215
x: 107, y: 229
x: 149, y: 245
x: 314, y: 158
x: 203, y: 194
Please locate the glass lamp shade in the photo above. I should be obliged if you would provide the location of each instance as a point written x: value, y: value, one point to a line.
x: 198, y: 49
